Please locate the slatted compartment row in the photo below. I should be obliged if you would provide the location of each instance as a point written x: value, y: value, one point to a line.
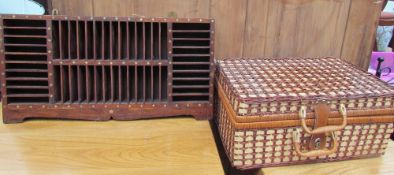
x: 25, y: 55
x: 110, y: 84
x: 109, y: 40
x: 191, y: 61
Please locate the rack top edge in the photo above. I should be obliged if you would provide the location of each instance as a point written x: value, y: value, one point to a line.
x: 107, y: 18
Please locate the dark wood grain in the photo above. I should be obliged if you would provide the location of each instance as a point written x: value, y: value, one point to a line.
x: 115, y: 62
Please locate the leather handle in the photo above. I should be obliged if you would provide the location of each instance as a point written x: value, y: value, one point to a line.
x: 314, y: 153
x: 324, y: 129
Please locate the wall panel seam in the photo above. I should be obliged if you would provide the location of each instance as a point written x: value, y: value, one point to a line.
x: 346, y: 28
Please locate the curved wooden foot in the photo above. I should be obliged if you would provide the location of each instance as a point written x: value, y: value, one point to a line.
x: 12, y: 120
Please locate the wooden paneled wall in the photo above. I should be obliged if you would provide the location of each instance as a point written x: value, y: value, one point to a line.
x: 262, y: 28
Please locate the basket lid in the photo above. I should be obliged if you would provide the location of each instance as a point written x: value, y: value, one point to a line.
x: 266, y: 86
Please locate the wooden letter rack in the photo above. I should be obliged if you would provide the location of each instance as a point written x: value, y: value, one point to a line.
x: 101, y: 68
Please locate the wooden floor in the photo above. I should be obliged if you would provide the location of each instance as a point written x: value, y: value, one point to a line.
x: 158, y: 146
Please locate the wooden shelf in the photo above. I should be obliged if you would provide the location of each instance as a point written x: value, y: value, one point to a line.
x: 24, y: 27
x: 26, y: 70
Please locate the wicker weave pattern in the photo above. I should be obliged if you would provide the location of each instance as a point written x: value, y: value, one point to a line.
x: 254, y: 86
x: 263, y: 147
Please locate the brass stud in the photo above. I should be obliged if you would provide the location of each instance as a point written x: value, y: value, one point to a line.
x: 176, y: 105
x: 49, y: 62
x: 188, y: 105
x: 105, y: 106
x: 200, y: 20
x: 13, y: 16
x: 49, y: 40
x: 93, y: 106
x: 51, y: 96
x: 104, y: 18
x: 80, y: 106
x: 153, y: 105
x: 65, y: 17
x: 129, y: 19
x: 79, y: 17
x: 86, y: 62
x: 17, y: 106
x: 141, y: 106
x: 116, y: 18
x: 111, y: 111
x: 43, y: 106
x: 169, y: 41
x: 51, y: 85
x: 212, y: 20
x: 49, y: 28
x: 165, y: 105
x: 170, y: 52
x: 140, y: 19
x: 49, y: 51
x: 2, y: 73
x: 123, y: 62
x: 129, y: 106
x: 199, y: 105
x: 50, y: 74
x: 117, y: 106
x: 73, y: 62
x: 55, y: 106
x: 177, y: 19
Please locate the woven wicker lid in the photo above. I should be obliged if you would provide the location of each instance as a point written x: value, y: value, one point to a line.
x: 249, y: 82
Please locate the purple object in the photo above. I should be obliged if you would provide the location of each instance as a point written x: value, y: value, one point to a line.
x: 387, y: 66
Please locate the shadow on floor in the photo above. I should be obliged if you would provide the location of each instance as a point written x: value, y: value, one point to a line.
x: 228, y: 169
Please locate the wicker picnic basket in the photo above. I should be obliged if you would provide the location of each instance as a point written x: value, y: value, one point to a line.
x: 284, y: 111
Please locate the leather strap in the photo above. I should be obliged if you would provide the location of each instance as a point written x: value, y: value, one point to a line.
x: 322, y: 111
